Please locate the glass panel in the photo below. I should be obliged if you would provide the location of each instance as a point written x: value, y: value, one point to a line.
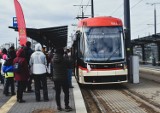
x: 103, y: 43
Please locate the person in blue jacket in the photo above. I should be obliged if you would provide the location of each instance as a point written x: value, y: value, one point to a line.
x: 9, y: 74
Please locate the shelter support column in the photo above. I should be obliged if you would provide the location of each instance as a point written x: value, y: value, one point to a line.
x: 143, y: 54
x: 158, y: 52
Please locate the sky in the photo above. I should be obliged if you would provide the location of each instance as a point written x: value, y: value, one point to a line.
x: 52, y: 13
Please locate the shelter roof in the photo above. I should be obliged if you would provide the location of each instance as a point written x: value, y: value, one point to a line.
x: 146, y: 40
x: 51, y: 36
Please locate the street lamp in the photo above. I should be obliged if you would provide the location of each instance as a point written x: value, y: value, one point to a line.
x: 155, y: 20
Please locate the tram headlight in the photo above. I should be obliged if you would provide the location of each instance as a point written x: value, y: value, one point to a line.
x: 120, y: 65
x: 92, y: 66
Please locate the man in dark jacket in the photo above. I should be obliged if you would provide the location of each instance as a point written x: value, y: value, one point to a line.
x: 28, y: 52
x: 60, y: 78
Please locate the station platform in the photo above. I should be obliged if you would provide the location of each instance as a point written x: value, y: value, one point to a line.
x: 149, y: 66
x: 31, y: 106
x: 145, y: 90
x: 150, y: 72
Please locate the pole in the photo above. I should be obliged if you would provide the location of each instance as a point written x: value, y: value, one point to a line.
x: 82, y: 12
x: 92, y: 8
x: 128, y: 35
x: 155, y: 21
x: 16, y: 43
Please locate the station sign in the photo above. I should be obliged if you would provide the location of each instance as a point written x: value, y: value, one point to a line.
x: 15, y: 24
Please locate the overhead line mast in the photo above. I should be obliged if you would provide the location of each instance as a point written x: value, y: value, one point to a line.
x: 82, y: 16
x: 92, y: 8
x: 86, y: 16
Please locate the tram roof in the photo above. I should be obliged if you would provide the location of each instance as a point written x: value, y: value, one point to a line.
x: 51, y: 36
x: 146, y: 40
x: 100, y: 21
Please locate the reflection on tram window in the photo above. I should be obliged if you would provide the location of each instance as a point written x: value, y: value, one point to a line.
x: 102, y: 43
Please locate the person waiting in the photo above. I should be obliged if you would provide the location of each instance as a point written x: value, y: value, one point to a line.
x: 60, y: 78
x: 38, y: 63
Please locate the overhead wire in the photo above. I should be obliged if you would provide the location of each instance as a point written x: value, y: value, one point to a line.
x: 117, y: 9
x: 133, y: 6
x: 86, y: 6
x: 142, y: 29
x: 79, y: 10
x: 136, y: 4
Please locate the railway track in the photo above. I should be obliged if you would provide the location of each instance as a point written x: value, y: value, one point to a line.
x: 116, y: 98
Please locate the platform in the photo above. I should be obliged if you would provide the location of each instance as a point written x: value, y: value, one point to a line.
x: 76, y: 101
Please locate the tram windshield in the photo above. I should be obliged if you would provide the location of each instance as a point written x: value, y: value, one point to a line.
x: 103, y: 44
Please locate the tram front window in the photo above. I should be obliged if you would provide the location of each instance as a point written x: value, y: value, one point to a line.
x: 103, y: 43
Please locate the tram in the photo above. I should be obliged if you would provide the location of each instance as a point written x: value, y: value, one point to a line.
x: 99, y: 51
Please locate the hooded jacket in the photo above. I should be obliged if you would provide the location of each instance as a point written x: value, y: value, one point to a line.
x: 60, y: 65
x: 38, y: 61
x: 23, y: 75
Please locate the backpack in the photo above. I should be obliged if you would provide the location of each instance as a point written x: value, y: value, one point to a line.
x: 17, y: 67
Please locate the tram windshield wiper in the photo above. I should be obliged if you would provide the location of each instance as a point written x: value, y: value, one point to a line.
x: 115, y: 51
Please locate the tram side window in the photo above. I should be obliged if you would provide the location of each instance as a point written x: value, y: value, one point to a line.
x: 81, y: 46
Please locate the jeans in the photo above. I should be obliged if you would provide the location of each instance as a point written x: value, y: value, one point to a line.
x: 70, y: 76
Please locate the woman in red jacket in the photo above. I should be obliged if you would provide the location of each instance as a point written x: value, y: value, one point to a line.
x: 22, y: 75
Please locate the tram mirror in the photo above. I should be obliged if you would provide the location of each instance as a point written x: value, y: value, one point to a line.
x: 78, y: 34
x: 120, y: 30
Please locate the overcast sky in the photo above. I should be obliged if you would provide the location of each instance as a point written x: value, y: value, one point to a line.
x: 52, y: 13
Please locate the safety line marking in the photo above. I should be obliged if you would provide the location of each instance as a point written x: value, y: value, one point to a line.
x: 7, y: 106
